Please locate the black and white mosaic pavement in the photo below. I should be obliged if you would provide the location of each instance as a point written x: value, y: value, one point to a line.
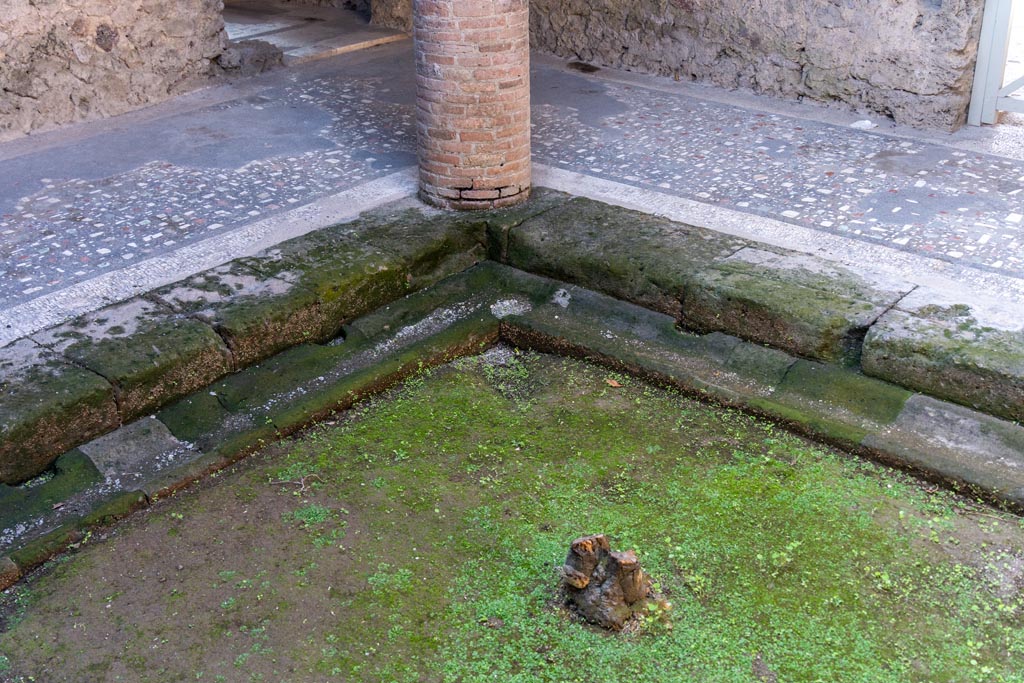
x: 75, y: 211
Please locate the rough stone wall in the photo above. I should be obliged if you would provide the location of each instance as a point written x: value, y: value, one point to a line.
x: 909, y: 59
x: 396, y: 14
x: 66, y: 60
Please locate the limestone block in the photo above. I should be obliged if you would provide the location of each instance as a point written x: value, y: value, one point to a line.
x: 799, y: 303
x: 972, y: 354
x: 356, y: 267
x: 257, y: 314
x: 149, y: 354
x: 626, y: 254
x: 825, y: 396
x: 137, y: 453
x: 47, y: 405
x: 959, y: 444
x: 346, y: 276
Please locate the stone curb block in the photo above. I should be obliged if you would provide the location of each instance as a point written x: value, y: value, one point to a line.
x: 148, y: 353
x: 798, y: 303
x: 85, y: 377
x: 256, y: 315
x: 47, y: 406
x: 219, y: 425
x: 947, y: 353
x: 676, y: 273
x: 308, y: 288
x: 802, y: 304
x: 984, y: 453
x: 708, y: 281
x: 626, y: 254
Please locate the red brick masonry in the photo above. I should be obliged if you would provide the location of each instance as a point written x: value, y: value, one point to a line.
x: 473, y: 101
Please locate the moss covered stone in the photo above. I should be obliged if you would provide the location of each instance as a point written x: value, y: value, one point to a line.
x: 845, y: 394
x: 959, y: 445
x: 765, y: 365
x: 626, y: 336
x: 356, y: 267
x: 487, y: 286
x: 431, y: 244
x: 347, y: 278
x: 626, y: 254
x: 150, y: 354
x: 425, y: 328
x: 114, y: 508
x: 946, y: 352
x: 466, y: 336
x: 799, y: 303
x: 306, y: 382
x: 501, y: 221
x: 204, y: 424
x: 256, y: 314
x: 47, y: 406
x: 807, y: 420
x: 28, y: 506
x: 39, y: 550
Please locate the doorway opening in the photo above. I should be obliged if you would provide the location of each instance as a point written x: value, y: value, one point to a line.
x: 999, y: 75
x: 305, y: 31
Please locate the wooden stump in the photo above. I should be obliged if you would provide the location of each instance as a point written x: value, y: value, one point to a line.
x: 604, y: 587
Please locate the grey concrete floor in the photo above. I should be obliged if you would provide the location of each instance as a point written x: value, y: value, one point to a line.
x: 98, y: 212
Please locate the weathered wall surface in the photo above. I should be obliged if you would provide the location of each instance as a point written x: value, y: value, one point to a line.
x: 396, y: 14
x: 65, y: 60
x: 909, y: 59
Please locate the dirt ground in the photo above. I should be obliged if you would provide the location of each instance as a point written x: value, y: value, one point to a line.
x: 417, y: 538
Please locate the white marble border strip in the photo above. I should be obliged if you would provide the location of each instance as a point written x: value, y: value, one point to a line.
x: 949, y: 278
x: 124, y: 283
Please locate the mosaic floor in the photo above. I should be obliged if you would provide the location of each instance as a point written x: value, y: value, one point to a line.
x: 315, y: 130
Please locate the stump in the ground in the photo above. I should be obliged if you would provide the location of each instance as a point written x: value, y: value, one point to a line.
x: 604, y: 587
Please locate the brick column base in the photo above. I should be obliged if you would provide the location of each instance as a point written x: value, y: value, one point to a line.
x: 473, y: 101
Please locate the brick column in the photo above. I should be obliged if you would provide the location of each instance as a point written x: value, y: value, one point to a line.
x: 473, y: 101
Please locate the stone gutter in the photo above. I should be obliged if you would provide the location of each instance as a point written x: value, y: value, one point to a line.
x: 106, y: 413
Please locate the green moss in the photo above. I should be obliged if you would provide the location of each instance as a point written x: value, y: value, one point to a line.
x: 766, y: 544
x: 165, y: 356
x: 459, y: 495
x: 843, y: 392
x: 115, y: 508
x: 783, y: 308
x: 427, y: 527
x: 258, y: 314
x: 73, y: 472
x: 627, y: 254
x: 47, y: 406
x: 956, y: 360
x: 813, y: 422
x: 41, y: 549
